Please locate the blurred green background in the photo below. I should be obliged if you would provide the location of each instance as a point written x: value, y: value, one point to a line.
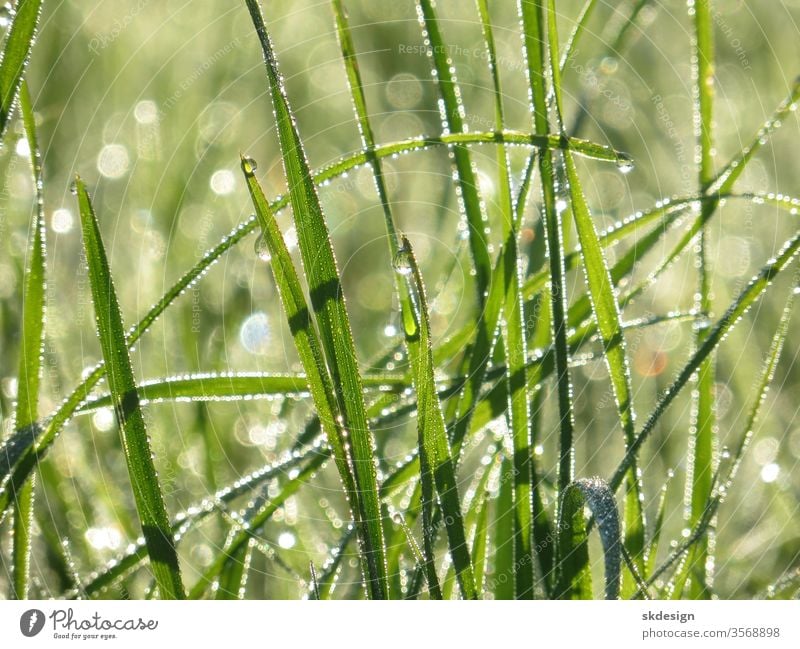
x: 152, y: 102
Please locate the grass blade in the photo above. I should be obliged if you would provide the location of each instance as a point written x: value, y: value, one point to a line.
x: 607, y: 315
x: 329, y: 308
x: 502, y: 581
x: 135, y: 442
x: 16, y: 53
x: 575, y: 580
x: 515, y: 344
x: 307, y: 342
x: 434, y: 446
x: 210, y: 386
x: 724, y: 484
x: 701, y: 463
x: 452, y: 115
x: 534, y: 46
x: 30, y: 357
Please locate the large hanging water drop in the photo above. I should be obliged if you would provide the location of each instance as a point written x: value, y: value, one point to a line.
x: 249, y: 165
x: 625, y: 163
x: 262, y: 249
x: 402, y: 262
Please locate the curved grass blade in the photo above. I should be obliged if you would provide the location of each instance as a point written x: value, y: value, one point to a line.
x: 16, y: 53
x: 754, y: 289
x: 607, y: 315
x: 434, y: 447
x: 30, y: 357
x: 135, y: 442
x: 210, y: 386
x: 329, y: 308
x: 452, y: 115
x: 575, y: 577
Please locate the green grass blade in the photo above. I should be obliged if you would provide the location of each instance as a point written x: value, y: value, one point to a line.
x: 210, y: 386
x: 575, y: 577
x: 658, y: 528
x: 193, y: 516
x: 309, y: 348
x: 434, y: 446
x: 515, y: 344
x: 578, y: 31
x: 135, y: 442
x: 534, y: 42
x: 241, y: 538
x: 30, y: 357
x: 16, y: 53
x: 368, y: 145
x: 609, y: 323
x: 754, y: 289
x: 233, y: 577
x: 701, y: 462
x: 452, y: 114
x: 329, y: 308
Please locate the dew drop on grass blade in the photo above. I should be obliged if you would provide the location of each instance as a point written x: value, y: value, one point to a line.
x: 147, y: 492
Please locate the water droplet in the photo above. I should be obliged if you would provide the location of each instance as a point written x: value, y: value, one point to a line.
x: 249, y: 165
x: 73, y: 188
x: 625, y: 163
x: 402, y: 261
x: 262, y: 249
